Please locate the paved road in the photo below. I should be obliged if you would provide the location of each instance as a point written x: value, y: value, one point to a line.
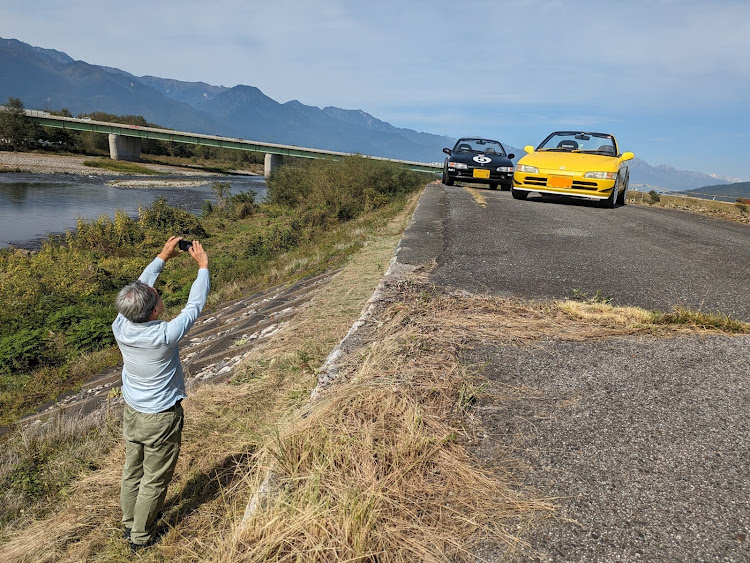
x: 644, y: 442
x: 485, y: 241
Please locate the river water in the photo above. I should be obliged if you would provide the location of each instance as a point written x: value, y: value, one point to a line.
x: 32, y: 206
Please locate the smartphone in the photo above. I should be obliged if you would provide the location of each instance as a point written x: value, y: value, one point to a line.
x: 184, y: 244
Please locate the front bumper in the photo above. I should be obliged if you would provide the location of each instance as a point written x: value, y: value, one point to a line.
x: 468, y: 176
x: 589, y: 188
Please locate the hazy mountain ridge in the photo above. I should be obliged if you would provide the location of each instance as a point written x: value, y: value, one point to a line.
x: 727, y: 192
x: 50, y: 79
x: 667, y: 177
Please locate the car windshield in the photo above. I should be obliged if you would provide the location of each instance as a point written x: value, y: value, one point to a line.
x: 572, y: 141
x: 484, y: 146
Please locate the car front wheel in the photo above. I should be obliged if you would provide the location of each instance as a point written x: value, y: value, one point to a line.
x: 493, y: 186
x: 611, y: 201
x: 447, y: 180
x: 518, y: 194
x: 506, y: 187
x: 621, y: 198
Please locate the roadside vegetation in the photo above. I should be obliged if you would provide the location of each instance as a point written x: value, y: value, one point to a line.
x: 737, y: 211
x: 55, y: 326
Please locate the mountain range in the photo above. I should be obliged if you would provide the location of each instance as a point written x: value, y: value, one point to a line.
x: 723, y: 192
x: 47, y: 79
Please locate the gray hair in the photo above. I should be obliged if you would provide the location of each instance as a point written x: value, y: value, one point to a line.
x: 136, y: 301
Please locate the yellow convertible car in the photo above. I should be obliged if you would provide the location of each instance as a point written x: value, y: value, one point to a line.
x: 574, y: 164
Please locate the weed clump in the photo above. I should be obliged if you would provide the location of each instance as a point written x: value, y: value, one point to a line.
x: 324, y: 191
x: 715, y: 321
x: 230, y: 206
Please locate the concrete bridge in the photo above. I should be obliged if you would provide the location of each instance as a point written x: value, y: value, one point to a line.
x: 125, y: 142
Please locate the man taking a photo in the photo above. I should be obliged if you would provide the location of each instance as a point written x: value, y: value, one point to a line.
x: 153, y: 386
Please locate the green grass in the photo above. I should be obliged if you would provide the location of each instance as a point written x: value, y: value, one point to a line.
x: 120, y: 166
x: 717, y: 321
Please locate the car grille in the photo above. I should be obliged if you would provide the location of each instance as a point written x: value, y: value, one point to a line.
x: 577, y: 184
x: 494, y: 174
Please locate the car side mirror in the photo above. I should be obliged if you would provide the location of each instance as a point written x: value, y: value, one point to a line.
x: 511, y: 155
x: 447, y: 151
x: 529, y: 149
x: 626, y: 156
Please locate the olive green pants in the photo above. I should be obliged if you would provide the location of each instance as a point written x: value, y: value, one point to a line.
x: 151, y: 451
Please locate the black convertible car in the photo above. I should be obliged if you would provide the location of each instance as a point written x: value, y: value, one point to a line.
x: 478, y: 160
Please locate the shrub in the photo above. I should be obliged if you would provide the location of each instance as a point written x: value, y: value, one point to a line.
x: 23, y: 351
x: 324, y: 191
x: 237, y: 206
x: 242, y: 205
x: 165, y: 219
x: 221, y: 193
x: 104, y: 234
x: 65, y: 318
x: 86, y: 328
x: 655, y: 198
x: 206, y: 208
x: 89, y: 335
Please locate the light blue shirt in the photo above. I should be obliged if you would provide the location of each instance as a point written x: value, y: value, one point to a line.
x: 152, y: 377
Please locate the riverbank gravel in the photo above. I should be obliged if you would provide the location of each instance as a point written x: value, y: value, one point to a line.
x: 47, y: 164
x: 39, y: 163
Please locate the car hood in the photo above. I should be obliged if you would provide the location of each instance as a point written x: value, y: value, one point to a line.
x: 480, y: 159
x: 571, y: 161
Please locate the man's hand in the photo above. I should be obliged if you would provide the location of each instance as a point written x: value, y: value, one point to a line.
x: 170, y: 249
x: 198, y: 254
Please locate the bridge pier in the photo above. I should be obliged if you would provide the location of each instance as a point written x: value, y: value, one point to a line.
x: 272, y: 162
x: 122, y: 147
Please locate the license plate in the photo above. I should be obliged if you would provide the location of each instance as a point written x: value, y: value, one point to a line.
x: 480, y: 173
x: 560, y: 182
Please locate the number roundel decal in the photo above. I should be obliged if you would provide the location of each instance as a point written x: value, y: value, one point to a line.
x: 481, y: 159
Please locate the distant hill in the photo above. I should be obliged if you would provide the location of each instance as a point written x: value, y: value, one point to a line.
x: 51, y: 80
x: 47, y: 79
x: 724, y: 192
x: 643, y: 175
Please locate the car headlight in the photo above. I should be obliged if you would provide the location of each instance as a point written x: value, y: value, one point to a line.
x: 459, y: 165
x: 505, y: 169
x: 601, y: 175
x: 526, y: 168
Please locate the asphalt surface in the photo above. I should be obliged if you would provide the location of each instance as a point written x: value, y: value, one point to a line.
x: 643, y: 442
x: 540, y: 248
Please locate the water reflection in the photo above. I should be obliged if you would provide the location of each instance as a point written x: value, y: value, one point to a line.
x: 16, y: 193
x: 33, y: 206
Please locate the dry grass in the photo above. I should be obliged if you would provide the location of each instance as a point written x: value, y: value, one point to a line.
x: 378, y: 469
x: 719, y: 209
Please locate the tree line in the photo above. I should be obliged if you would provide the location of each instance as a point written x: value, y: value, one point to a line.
x: 20, y: 133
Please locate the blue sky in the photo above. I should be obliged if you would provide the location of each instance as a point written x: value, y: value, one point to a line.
x: 669, y: 78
